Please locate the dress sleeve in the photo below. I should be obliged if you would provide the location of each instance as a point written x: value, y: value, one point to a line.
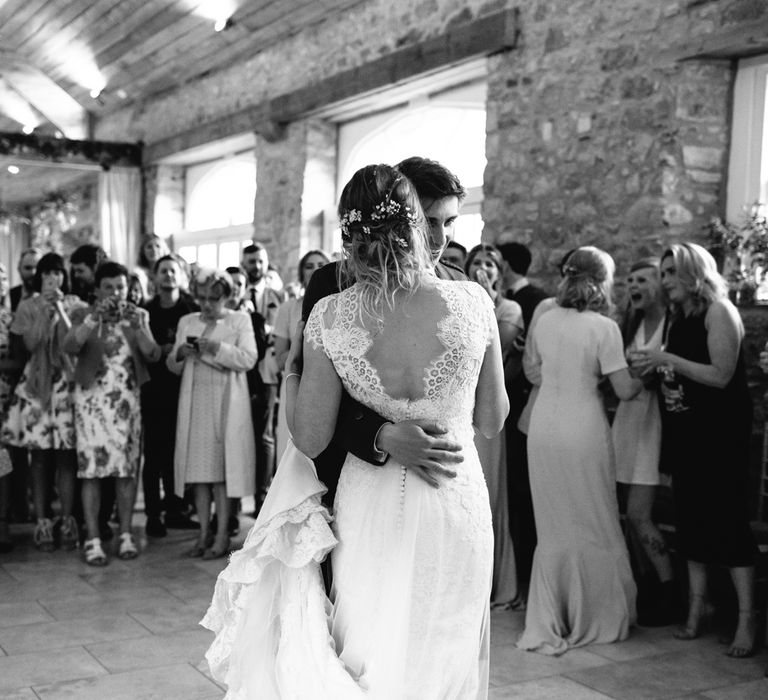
x: 242, y: 354
x: 490, y: 322
x: 24, y: 317
x: 314, y: 331
x: 510, y: 312
x: 611, y: 349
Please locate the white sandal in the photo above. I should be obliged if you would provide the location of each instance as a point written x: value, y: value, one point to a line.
x: 127, y: 548
x: 94, y: 554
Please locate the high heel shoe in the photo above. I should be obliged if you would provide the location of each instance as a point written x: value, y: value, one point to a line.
x: 739, y: 649
x: 699, y: 618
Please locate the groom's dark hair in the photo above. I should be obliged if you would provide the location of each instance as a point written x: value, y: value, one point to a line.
x: 430, y: 179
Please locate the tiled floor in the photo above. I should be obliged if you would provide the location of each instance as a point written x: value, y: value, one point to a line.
x: 129, y: 631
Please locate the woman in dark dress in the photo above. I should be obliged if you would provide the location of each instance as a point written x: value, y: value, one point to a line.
x: 706, y: 424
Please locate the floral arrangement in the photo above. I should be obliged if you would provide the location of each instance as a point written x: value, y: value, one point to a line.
x: 386, y: 211
x: 742, y: 250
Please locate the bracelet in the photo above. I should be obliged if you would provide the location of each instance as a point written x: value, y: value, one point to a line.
x: 293, y: 374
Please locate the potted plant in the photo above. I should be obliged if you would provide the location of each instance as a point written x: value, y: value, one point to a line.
x: 742, y: 251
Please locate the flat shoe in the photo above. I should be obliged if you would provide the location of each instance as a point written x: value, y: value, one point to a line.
x: 93, y: 553
x: 127, y: 549
x: 196, y: 552
x: 216, y: 553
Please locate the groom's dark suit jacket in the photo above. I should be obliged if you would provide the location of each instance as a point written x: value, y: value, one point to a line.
x: 356, y: 425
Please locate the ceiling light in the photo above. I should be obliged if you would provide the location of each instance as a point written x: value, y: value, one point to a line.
x: 27, y: 128
x: 95, y: 93
x: 122, y: 94
x: 13, y: 169
x: 219, y: 24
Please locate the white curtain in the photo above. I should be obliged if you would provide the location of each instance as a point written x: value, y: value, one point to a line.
x: 120, y: 213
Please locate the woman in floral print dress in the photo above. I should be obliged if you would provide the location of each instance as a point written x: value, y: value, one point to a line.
x: 112, y: 341
x: 40, y: 415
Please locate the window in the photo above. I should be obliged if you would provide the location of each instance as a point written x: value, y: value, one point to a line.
x: 748, y: 166
x: 218, y: 211
x: 448, y: 127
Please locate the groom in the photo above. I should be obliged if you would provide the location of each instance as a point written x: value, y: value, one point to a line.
x: 416, y: 444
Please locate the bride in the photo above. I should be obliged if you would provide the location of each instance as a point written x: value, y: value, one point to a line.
x: 408, y: 612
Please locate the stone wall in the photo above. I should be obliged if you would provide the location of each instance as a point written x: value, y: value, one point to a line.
x: 595, y: 133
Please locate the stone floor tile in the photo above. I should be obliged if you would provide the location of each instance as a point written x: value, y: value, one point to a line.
x: 164, y: 619
x: 155, y: 650
x: 743, y: 691
x: 659, y: 677
x: 123, y: 600
x: 19, y: 694
x: 166, y: 682
x: 512, y: 665
x: 44, y: 586
x: 22, y: 613
x: 27, y: 670
x: 546, y: 689
x: 69, y: 633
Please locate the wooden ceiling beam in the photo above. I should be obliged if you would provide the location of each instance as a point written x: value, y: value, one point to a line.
x: 493, y: 33
x: 740, y: 41
x: 50, y: 149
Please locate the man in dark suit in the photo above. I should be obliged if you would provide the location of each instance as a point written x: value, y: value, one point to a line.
x: 417, y: 444
x: 519, y: 289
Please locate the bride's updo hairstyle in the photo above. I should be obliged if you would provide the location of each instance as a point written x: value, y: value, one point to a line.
x: 384, y: 236
x: 587, y: 281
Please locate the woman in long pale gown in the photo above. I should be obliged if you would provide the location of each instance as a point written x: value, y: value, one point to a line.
x: 582, y: 590
x: 412, y: 570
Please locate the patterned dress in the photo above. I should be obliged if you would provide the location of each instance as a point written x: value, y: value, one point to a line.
x: 108, y: 413
x: 32, y: 423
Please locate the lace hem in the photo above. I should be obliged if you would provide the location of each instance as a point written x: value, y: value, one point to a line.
x: 290, y: 541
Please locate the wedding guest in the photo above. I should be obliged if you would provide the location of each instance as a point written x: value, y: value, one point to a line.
x: 288, y: 317
x: 159, y: 403
x: 519, y: 289
x: 112, y: 341
x: 238, y: 300
x: 151, y: 250
x: 40, y: 417
x: 82, y: 264
x: 582, y: 591
x: 636, y: 433
x: 215, y: 448
x: 454, y: 254
x: 706, y: 417
x: 264, y: 382
x: 18, y: 484
x: 485, y: 266
x: 9, y: 374
x: 27, y: 266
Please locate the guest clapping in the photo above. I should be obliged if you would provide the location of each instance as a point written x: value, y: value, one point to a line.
x: 40, y: 416
x: 215, y: 449
x: 706, y: 428
x: 111, y: 340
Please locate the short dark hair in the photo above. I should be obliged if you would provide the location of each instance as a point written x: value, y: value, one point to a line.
x: 50, y: 262
x: 430, y: 179
x: 517, y: 256
x: 88, y: 254
x: 253, y: 248
x: 455, y: 244
x: 235, y: 270
x: 170, y: 257
x: 108, y: 270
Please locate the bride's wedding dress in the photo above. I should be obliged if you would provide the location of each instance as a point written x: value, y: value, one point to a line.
x: 412, y: 564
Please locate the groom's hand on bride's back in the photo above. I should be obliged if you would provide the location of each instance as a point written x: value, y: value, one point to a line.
x: 420, y: 446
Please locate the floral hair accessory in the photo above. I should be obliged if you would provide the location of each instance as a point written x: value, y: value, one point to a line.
x: 387, y: 211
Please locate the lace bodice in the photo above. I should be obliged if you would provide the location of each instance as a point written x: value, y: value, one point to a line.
x: 464, y: 331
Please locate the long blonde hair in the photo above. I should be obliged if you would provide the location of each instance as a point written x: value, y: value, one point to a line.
x: 384, y: 235
x: 697, y: 271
